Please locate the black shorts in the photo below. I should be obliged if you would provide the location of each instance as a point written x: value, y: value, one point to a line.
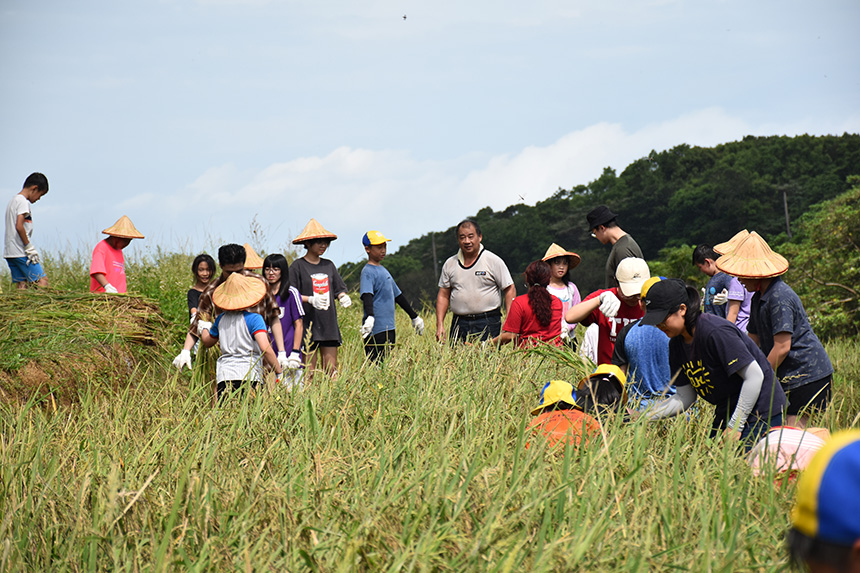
x: 312, y: 347
x: 812, y: 396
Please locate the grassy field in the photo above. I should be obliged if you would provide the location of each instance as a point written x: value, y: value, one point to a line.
x: 420, y: 465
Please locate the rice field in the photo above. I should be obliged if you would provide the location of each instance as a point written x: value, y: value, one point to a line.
x: 423, y: 464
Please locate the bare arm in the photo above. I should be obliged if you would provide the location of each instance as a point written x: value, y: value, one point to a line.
x: 268, y: 353
x: 443, y: 299
x: 578, y: 312
x: 732, y: 311
x: 509, y: 294
x: 781, y: 346
x: 754, y: 338
x: 299, y: 325
x: 505, y: 337
x: 206, y: 339
x: 101, y: 279
x: 278, y: 335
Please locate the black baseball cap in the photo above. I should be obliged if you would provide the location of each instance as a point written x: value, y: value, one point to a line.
x: 599, y: 216
x: 662, y: 298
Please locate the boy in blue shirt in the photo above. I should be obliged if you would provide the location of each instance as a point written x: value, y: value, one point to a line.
x: 379, y: 292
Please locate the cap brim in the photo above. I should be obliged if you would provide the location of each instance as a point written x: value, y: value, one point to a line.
x: 654, y: 317
x: 631, y: 288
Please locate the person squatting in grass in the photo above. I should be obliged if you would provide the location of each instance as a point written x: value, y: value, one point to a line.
x: 614, y: 308
x: 242, y: 334
x: 203, y: 269
x: 21, y: 255
x: 564, y: 417
x: 779, y: 325
x: 560, y: 263
x: 316, y: 279
x: 231, y: 258
x: 107, y: 269
x: 713, y: 359
x: 379, y: 293
x: 535, y: 315
x: 289, y: 301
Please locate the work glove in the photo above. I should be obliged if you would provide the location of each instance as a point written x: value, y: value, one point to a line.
x: 282, y: 359
x: 203, y: 325
x: 110, y: 289
x: 720, y: 298
x: 565, y: 332
x: 32, y: 254
x: 184, y: 359
x: 366, y: 329
x: 344, y: 299
x: 418, y: 325
x: 609, y: 304
x: 319, y: 301
x: 294, y: 362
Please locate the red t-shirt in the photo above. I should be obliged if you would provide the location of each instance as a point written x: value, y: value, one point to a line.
x: 609, y: 329
x: 111, y: 263
x: 521, y: 320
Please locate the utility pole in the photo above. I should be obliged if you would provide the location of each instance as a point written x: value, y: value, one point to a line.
x: 435, y: 260
x: 784, y: 189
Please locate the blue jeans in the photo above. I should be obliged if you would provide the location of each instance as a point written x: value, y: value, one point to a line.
x: 476, y: 327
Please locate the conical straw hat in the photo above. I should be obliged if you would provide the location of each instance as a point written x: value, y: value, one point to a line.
x: 313, y: 230
x: 239, y: 292
x: 555, y: 251
x: 729, y: 246
x: 252, y: 259
x: 753, y: 259
x: 124, y: 229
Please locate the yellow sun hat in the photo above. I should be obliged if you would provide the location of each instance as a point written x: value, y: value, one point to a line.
x: 554, y: 251
x: 753, y: 259
x: 553, y: 392
x: 313, y: 230
x: 123, y: 229
x: 252, y: 259
x: 731, y: 244
x: 610, y: 371
x: 239, y: 292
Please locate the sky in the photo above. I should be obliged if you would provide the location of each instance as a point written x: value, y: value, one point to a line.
x: 215, y: 121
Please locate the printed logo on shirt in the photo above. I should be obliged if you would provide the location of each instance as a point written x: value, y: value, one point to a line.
x: 480, y: 273
x: 699, y: 377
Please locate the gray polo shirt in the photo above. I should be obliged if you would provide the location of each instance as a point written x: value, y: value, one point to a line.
x: 477, y: 288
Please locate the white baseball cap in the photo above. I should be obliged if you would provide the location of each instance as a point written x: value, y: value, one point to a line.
x: 631, y: 274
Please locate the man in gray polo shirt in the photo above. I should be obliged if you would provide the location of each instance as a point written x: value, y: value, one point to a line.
x: 473, y: 284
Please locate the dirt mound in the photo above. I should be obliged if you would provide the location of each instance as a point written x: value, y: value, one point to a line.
x: 51, y: 343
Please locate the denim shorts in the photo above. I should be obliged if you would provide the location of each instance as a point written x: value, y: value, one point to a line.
x: 23, y: 271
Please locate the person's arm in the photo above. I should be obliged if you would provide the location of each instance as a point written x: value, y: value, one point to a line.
x: 269, y: 355
x: 367, y: 303
x: 299, y: 327
x: 781, y: 347
x: 207, y: 339
x: 404, y: 304
x: 19, y: 228
x: 509, y: 293
x: 732, y: 311
x: 278, y: 335
x: 578, y: 312
x: 505, y: 337
x: 684, y: 397
x: 443, y: 299
x: 101, y: 279
x: 754, y: 338
x: 750, y: 390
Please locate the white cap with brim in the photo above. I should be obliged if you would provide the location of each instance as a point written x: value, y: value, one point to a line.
x: 631, y: 274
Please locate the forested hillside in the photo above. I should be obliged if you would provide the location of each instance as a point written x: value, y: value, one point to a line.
x: 684, y: 195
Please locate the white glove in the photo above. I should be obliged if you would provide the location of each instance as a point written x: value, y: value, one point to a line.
x: 32, y: 254
x: 184, y: 359
x: 203, y: 325
x: 418, y: 325
x: 294, y: 362
x: 609, y: 304
x: 319, y: 301
x: 282, y: 359
x: 720, y: 298
x: 565, y: 332
x: 344, y: 299
x: 704, y: 295
x: 366, y: 329
x: 110, y: 289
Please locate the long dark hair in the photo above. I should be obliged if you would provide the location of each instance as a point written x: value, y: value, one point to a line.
x: 537, y: 278
x: 599, y: 393
x: 204, y: 258
x: 279, y: 261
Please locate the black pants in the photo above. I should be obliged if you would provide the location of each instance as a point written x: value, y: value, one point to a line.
x: 376, y: 346
x: 234, y: 386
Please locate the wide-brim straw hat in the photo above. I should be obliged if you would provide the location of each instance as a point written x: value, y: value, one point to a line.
x: 731, y: 244
x: 554, y: 251
x: 252, y: 259
x: 239, y: 292
x: 313, y: 230
x: 753, y: 259
x: 123, y: 229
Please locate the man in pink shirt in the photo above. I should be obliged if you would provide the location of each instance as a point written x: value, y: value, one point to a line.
x: 107, y: 270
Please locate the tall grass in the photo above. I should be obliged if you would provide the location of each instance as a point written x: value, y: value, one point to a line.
x: 424, y: 463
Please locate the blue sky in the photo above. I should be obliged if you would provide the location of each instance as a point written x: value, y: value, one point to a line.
x: 196, y: 118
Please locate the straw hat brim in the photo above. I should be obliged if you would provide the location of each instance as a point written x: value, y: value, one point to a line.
x: 123, y: 229
x: 554, y: 251
x: 731, y: 244
x: 313, y: 230
x: 239, y: 292
x: 753, y: 259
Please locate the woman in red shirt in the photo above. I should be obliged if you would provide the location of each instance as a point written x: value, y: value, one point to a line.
x: 535, y: 315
